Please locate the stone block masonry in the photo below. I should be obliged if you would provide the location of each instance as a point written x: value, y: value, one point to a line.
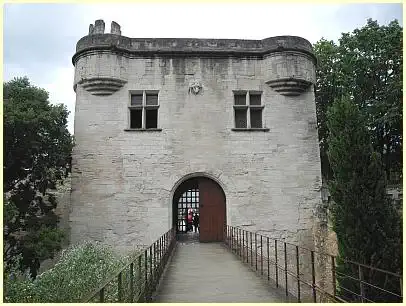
x: 123, y: 179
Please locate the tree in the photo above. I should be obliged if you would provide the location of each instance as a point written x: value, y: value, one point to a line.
x: 366, y: 65
x: 37, y: 151
x: 368, y: 228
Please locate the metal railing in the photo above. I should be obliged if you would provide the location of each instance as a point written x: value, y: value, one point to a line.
x: 311, y: 276
x: 137, y: 280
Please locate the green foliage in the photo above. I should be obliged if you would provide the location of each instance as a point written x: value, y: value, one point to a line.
x: 368, y: 228
x: 37, y: 150
x: 80, y: 270
x: 367, y: 66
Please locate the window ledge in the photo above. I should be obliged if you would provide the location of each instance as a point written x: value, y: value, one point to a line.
x: 250, y: 129
x: 142, y: 130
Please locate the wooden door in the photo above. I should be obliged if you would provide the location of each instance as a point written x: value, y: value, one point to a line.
x: 212, y: 211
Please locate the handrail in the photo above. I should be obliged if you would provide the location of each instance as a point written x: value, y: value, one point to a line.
x: 325, y: 254
x: 150, y: 265
x: 301, y: 272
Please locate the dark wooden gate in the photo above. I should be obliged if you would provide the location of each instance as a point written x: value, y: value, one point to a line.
x: 212, y: 210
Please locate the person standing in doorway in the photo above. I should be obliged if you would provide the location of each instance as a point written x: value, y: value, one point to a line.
x: 196, y: 222
x: 190, y: 221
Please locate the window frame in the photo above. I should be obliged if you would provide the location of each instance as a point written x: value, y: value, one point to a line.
x: 143, y: 107
x: 248, y: 107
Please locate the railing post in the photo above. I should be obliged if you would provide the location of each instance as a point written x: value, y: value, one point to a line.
x: 276, y: 263
x: 243, y: 246
x: 131, y: 282
x: 361, y: 285
x: 247, y: 247
x: 262, y: 258
x: 161, y: 254
x: 256, y: 253
x: 120, y: 286
x: 140, y: 273
x: 267, y: 252
x: 102, y: 295
x: 232, y: 239
x: 229, y: 236
x: 333, y: 271
x: 286, y: 268
x: 151, y: 280
x: 146, y: 273
x: 313, y: 278
x: 297, y: 274
x: 239, y: 244
x: 251, y: 247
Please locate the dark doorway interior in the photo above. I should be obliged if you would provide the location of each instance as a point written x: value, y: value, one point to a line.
x: 205, y: 198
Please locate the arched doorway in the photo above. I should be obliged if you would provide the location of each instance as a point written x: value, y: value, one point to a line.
x: 206, y: 198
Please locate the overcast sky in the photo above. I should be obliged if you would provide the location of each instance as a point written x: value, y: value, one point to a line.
x: 40, y: 39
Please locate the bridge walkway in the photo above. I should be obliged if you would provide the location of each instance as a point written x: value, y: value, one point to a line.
x: 208, y: 272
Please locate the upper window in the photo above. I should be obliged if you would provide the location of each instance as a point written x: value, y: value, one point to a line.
x: 144, y: 110
x: 248, y: 110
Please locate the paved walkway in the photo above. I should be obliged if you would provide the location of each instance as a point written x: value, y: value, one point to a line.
x: 208, y: 272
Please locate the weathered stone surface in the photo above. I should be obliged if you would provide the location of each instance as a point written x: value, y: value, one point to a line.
x: 115, y: 28
x: 123, y: 181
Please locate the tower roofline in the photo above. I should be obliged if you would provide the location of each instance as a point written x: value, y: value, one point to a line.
x: 115, y: 42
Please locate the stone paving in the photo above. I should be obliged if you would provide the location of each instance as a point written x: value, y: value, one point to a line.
x: 208, y: 272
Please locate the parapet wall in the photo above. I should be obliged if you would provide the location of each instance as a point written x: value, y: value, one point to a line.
x: 98, y: 40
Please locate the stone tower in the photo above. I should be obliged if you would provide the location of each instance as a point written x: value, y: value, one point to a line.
x: 152, y: 114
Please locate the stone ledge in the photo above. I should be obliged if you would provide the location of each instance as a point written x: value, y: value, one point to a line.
x: 142, y: 130
x: 289, y: 86
x: 250, y: 130
x: 101, y: 86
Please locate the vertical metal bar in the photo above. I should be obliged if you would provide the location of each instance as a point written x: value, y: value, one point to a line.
x: 251, y: 246
x: 361, y: 285
x: 256, y: 253
x: 262, y: 258
x: 146, y: 272
x: 153, y: 263
x: 232, y: 239
x: 243, y: 246
x: 131, y: 282
x: 313, y: 278
x: 228, y: 235
x: 247, y: 247
x: 276, y: 263
x: 333, y: 272
x: 161, y: 254
x: 401, y: 287
x: 267, y: 253
x: 150, y: 265
x: 151, y: 280
x: 102, y: 295
x: 120, y: 286
x: 286, y: 268
x: 297, y: 274
x: 139, y: 273
x: 239, y: 244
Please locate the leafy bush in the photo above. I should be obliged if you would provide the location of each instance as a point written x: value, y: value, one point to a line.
x: 79, y: 271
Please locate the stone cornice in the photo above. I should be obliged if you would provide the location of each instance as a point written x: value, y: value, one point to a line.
x: 185, y: 47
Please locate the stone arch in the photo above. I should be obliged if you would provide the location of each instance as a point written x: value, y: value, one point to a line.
x: 203, y: 194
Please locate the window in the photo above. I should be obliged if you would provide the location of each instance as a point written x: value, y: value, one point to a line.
x: 248, y: 110
x: 144, y: 110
